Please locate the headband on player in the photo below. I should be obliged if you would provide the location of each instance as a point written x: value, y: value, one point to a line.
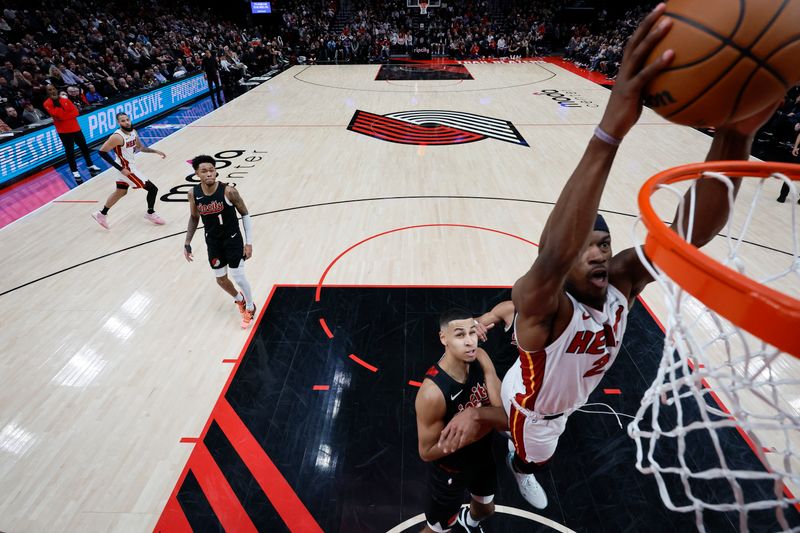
x: 600, y: 224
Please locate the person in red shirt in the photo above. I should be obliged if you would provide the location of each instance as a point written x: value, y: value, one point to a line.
x: 65, y: 115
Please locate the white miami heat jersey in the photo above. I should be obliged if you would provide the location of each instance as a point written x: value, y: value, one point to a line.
x: 126, y: 153
x: 560, y: 377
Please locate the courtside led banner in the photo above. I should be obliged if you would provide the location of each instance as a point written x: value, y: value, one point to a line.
x: 31, y: 151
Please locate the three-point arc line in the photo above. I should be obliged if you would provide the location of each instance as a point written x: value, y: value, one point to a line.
x: 363, y: 363
x: 318, y: 292
x: 325, y: 328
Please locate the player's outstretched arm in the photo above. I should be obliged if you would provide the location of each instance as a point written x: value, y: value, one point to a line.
x: 539, y: 293
x: 502, y: 312
x: 147, y: 150
x: 732, y: 142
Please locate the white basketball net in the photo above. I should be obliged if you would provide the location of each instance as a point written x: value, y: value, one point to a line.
x: 683, y: 436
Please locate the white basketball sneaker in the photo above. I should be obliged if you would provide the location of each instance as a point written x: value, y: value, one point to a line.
x: 528, y: 486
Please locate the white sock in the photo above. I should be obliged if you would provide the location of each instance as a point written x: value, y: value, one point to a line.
x: 238, y: 298
x: 238, y: 276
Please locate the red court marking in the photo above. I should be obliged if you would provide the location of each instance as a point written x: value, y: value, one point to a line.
x: 269, y: 478
x: 219, y: 493
x: 321, y: 387
x: 359, y: 243
x: 75, y: 201
x: 230, y: 360
x: 590, y: 75
x: 325, y: 328
x: 165, y: 520
x: 173, y: 520
x: 414, y: 383
x: 363, y: 363
x: 612, y: 391
x: 190, y: 439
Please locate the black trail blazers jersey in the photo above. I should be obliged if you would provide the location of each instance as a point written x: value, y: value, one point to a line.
x: 219, y: 217
x: 457, y: 397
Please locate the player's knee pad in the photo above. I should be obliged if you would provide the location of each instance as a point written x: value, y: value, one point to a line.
x: 238, y: 275
x: 150, y: 186
x: 220, y: 273
x: 122, y: 186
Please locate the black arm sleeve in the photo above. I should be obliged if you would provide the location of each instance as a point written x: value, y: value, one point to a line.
x: 110, y: 160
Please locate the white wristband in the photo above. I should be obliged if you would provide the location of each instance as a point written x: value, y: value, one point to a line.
x: 605, y: 137
x: 247, y: 225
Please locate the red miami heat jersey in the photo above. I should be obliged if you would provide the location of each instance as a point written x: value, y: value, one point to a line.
x: 560, y: 377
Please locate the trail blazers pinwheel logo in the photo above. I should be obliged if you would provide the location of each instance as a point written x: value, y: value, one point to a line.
x: 434, y: 127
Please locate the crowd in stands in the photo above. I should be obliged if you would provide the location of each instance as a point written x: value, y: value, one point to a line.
x: 599, y: 47
x: 93, y: 51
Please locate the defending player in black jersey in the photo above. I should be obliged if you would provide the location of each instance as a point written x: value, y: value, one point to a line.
x: 463, y: 381
x: 217, y: 203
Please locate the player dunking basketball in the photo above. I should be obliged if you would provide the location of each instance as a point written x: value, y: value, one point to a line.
x: 464, y: 380
x: 572, y: 305
x: 125, y: 143
x: 217, y: 203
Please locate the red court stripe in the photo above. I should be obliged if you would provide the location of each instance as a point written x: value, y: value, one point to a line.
x: 414, y: 383
x: 230, y: 360
x: 269, y: 478
x: 612, y: 391
x: 173, y: 519
x: 190, y: 439
x: 321, y: 387
x: 74, y: 201
x: 321, y: 281
x: 325, y: 328
x: 219, y: 493
x: 363, y: 363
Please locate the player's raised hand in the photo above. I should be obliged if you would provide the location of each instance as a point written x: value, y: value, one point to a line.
x: 483, y: 329
x: 750, y: 125
x: 625, y: 104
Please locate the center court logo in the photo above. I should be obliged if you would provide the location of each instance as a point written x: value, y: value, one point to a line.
x: 434, y: 127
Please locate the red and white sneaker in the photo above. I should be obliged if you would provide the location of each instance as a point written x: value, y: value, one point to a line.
x: 155, y: 219
x: 248, y: 316
x: 101, y: 219
x: 241, y: 305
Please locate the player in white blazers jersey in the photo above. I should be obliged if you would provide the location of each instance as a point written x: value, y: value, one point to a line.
x: 571, y: 306
x: 125, y: 143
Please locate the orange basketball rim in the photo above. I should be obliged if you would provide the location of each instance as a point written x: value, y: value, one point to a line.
x: 764, y: 312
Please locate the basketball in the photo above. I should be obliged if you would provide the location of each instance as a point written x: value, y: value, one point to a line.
x: 731, y: 59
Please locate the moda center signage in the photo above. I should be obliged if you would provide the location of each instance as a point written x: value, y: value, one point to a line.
x: 38, y: 148
x: 566, y: 98
x: 230, y: 165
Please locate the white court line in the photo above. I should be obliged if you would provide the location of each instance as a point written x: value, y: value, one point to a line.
x: 420, y: 518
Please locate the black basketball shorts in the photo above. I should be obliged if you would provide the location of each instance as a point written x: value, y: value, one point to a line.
x: 446, y: 490
x: 228, y: 251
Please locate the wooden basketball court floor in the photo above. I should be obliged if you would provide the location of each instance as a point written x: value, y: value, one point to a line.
x: 114, y: 351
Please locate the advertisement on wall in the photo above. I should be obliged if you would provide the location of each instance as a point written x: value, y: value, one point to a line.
x: 40, y: 147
